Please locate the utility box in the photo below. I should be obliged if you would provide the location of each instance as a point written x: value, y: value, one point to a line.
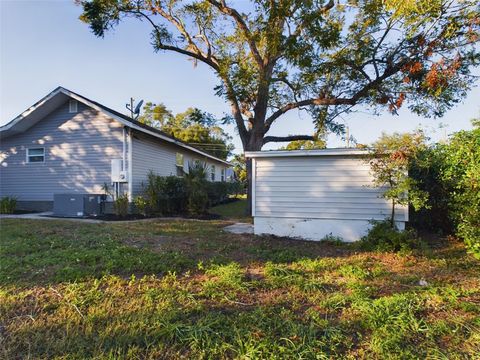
x: 118, y: 174
x: 77, y: 205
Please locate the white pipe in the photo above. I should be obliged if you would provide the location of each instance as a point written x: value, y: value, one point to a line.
x: 124, y: 149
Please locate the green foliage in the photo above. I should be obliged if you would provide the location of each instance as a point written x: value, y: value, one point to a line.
x: 450, y: 172
x: 240, y: 168
x: 305, y: 145
x: 121, y: 205
x: 141, y: 205
x: 461, y: 175
x: 327, y: 57
x: 389, y: 161
x: 155, y: 115
x: 196, y: 180
x: 383, y: 237
x: 195, y: 127
x: 8, y: 204
x: 173, y: 195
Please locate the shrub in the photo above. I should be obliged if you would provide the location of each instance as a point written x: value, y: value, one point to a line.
x: 451, y: 174
x: 171, y: 195
x: 141, y: 205
x: 197, y: 186
x: 383, y: 237
x: 165, y: 194
x: 8, y: 204
x: 120, y: 205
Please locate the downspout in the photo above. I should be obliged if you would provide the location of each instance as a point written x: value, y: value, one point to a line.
x: 130, y: 165
x: 124, y: 149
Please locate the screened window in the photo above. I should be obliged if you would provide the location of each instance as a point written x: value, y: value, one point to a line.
x: 35, y: 155
x: 179, y: 164
x: 73, y: 106
x: 212, y: 172
x: 222, y: 175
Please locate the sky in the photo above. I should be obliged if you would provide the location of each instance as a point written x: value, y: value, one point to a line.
x: 43, y: 45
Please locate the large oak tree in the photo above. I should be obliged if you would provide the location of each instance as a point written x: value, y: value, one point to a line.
x: 327, y: 57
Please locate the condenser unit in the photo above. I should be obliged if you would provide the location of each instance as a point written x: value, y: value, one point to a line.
x: 77, y: 205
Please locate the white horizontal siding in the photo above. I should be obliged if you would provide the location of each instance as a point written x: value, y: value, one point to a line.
x: 151, y: 154
x: 78, y: 151
x: 333, y: 187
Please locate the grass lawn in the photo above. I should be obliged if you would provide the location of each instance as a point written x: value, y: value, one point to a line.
x: 186, y: 289
x: 235, y: 210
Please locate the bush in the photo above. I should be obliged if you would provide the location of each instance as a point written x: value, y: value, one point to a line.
x: 141, y: 205
x: 166, y: 195
x: 8, y: 204
x: 383, y: 237
x: 172, y: 195
x: 197, y: 186
x: 120, y: 206
x: 451, y: 174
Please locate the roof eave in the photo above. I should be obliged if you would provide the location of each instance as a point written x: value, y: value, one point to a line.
x: 299, y: 153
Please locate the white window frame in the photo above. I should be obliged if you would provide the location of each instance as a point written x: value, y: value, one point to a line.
x: 73, y: 106
x: 222, y: 174
x: 212, y: 172
x: 28, y: 156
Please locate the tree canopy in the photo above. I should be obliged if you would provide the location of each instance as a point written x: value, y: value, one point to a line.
x: 327, y: 57
x: 389, y: 161
x: 194, y: 126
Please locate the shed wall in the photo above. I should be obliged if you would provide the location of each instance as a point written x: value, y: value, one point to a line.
x: 313, y: 196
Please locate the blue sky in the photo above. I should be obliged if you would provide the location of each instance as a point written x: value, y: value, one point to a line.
x: 44, y: 45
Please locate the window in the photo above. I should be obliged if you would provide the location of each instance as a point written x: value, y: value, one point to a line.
x: 222, y: 175
x: 72, y: 106
x: 212, y: 172
x: 35, y: 155
x: 179, y: 164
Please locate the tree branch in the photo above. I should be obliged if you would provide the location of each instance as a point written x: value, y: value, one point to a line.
x: 268, y: 139
x: 295, y: 105
x: 223, y: 8
x: 389, y: 71
x: 196, y: 54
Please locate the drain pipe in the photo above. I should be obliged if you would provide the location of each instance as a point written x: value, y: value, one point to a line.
x: 124, y: 149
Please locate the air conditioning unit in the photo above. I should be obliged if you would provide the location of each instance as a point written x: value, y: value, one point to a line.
x: 77, y: 205
x: 118, y: 174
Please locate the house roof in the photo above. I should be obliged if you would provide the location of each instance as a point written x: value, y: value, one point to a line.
x: 57, y: 97
x: 296, y: 153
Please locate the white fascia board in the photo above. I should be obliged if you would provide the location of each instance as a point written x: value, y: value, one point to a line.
x: 30, y: 110
x: 296, y: 153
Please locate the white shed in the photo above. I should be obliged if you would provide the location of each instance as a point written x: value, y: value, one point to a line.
x: 310, y: 194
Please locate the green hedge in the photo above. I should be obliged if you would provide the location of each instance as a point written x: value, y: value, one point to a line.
x: 450, y: 172
x: 172, y: 195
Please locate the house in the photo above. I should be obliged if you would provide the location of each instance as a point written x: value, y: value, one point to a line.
x: 66, y: 143
x: 311, y: 194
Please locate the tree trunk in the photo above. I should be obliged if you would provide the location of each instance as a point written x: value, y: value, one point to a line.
x: 255, y: 144
x: 392, y: 220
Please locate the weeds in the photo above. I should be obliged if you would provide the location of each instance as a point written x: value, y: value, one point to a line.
x: 186, y: 290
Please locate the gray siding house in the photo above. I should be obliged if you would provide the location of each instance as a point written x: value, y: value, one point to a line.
x: 65, y: 143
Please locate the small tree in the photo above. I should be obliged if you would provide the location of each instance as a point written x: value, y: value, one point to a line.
x: 389, y: 161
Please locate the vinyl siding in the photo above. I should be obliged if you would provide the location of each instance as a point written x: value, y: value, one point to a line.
x: 150, y: 154
x: 319, y: 187
x: 78, y: 146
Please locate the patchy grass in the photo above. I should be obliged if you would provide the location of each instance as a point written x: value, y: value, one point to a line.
x: 185, y: 289
x: 234, y: 210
